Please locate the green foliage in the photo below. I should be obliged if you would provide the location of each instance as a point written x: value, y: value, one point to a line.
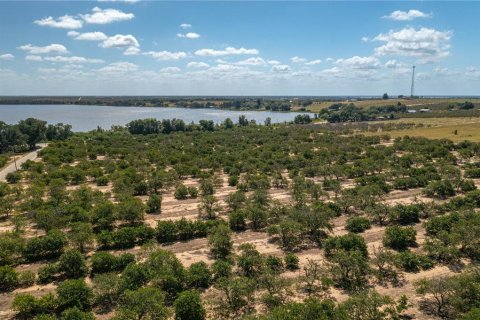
x: 131, y: 210
x: 291, y: 261
x: 74, y: 293
x: 199, y: 275
x: 188, y: 306
x: 8, y: 278
x: 72, y: 264
x: 348, y: 242
x: 412, y: 262
x: 144, y: 303
x: 399, y: 238
x: 76, y: 314
x: 220, y: 242
x: 46, y: 247
x: 13, y: 177
x: 154, y: 203
x: 181, y: 192
x: 357, y: 224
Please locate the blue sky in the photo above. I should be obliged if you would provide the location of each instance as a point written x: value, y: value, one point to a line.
x: 238, y: 48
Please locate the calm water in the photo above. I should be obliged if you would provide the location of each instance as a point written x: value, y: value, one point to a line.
x: 85, y: 118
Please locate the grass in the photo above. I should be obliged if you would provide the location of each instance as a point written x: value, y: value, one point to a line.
x: 441, y: 128
x: 416, y: 103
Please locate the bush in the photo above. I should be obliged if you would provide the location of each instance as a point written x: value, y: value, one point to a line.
x: 102, y: 181
x: 72, y: 264
x: 412, y: 262
x: 199, y: 275
x: 405, y: 214
x: 46, y: 247
x: 8, y: 278
x: 76, y: 314
x: 440, y: 189
x: 236, y: 220
x: 154, y: 203
x: 221, y: 269
x: 13, y: 177
x: 181, y: 192
x: 192, y: 192
x: 46, y: 274
x: 74, y: 293
x: 291, y: 261
x: 26, y: 278
x: 348, y: 242
x: 274, y: 263
x: 399, y: 238
x: 188, y: 306
x: 357, y: 224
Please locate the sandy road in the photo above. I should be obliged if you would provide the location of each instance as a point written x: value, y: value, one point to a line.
x: 29, y: 156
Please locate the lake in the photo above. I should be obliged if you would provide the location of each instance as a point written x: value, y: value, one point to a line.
x: 85, y: 118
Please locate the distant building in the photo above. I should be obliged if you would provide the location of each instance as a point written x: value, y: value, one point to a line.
x: 425, y: 110
x: 412, y: 111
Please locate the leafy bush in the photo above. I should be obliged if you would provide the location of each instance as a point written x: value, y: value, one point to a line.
x: 72, y: 264
x: 74, y: 293
x: 291, y: 261
x: 348, y: 242
x: 188, y: 306
x: 13, y: 177
x: 399, y: 238
x: 412, y: 262
x: 181, y: 192
x: 8, y: 278
x: 357, y: 224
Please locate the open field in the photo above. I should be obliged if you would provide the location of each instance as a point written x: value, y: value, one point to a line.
x: 417, y: 103
x: 454, y: 129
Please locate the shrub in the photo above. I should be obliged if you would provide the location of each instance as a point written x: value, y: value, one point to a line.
x: 199, y: 275
x: 8, y: 278
x: 348, y: 242
x: 13, y: 177
x: 440, y: 189
x: 72, y: 264
x: 102, y: 181
x: 357, y: 224
x: 236, y: 221
x: 76, y: 314
x: 192, y: 192
x: 103, y: 262
x: 220, y: 242
x: 291, y: 261
x: 26, y: 278
x: 154, y: 203
x: 221, y: 269
x: 46, y: 247
x: 188, y: 306
x: 74, y: 293
x: 412, y: 262
x: 399, y: 238
x: 181, y: 192
x: 274, y: 263
x: 405, y: 214
x: 46, y: 274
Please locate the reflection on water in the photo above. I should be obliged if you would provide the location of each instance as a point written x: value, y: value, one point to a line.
x: 85, y: 118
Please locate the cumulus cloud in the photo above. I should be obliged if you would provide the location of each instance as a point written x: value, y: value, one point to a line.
x: 105, y: 16
x: 281, y: 68
x: 119, y: 67
x: 170, y: 70
x: 394, y: 64
x: 425, y: 44
x: 298, y: 59
x: 225, y: 52
x: 132, y: 51
x: 119, y: 41
x: 399, y: 15
x: 127, y: 1
x: 185, y: 25
x: 65, y: 22
x: 166, y: 55
x: 189, y: 35
x: 52, y: 48
x: 88, y: 36
x: 273, y: 62
x: 313, y: 62
x: 357, y: 62
x: 197, y: 65
x: 7, y: 56
x: 253, y: 61
x: 473, y: 73
x: 63, y: 59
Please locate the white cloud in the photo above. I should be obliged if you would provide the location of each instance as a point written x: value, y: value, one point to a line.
x: 330, y: 59
x: 52, y: 48
x: 7, y: 56
x: 281, y: 68
x: 253, y: 61
x: 88, y: 36
x: 473, y: 73
x: 394, y: 64
x: 166, y: 55
x: 227, y: 68
x: 313, y: 62
x: 273, y: 62
x: 298, y: 59
x: 65, y: 22
x: 105, y: 16
x: 73, y: 59
x: 189, y: 35
x: 33, y: 58
x: 185, y: 25
x: 425, y: 44
x: 119, y: 67
x: 132, y: 51
x: 357, y: 62
x: 195, y: 64
x: 407, y: 15
x: 365, y: 39
x: 119, y: 41
x: 170, y: 70
x: 225, y: 52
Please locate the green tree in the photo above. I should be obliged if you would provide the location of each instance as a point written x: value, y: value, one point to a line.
x: 74, y: 293
x: 8, y: 278
x: 143, y: 304
x: 220, y: 242
x: 131, y: 210
x: 81, y: 234
x: 34, y: 130
x: 399, y: 238
x: 188, y: 306
x: 154, y: 203
x: 72, y: 264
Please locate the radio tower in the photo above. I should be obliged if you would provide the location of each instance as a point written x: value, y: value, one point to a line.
x: 412, y: 89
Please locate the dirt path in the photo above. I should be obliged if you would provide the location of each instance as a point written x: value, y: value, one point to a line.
x: 11, y: 167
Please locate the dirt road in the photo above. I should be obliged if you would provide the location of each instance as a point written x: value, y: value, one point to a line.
x: 29, y: 156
